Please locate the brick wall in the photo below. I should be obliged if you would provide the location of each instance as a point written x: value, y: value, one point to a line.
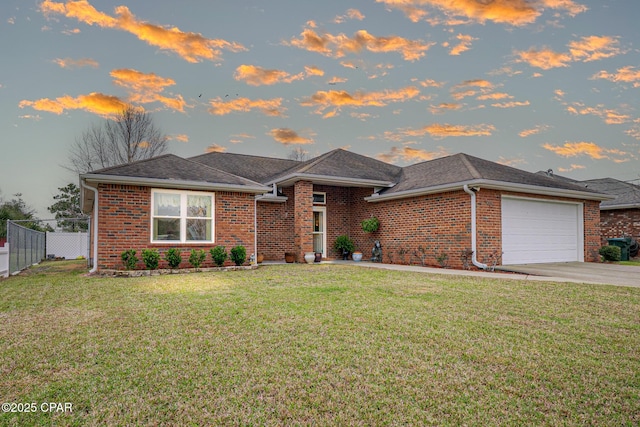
x: 303, y: 219
x: 275, y: 227
x: 620, y: 223
x: 124, y: 222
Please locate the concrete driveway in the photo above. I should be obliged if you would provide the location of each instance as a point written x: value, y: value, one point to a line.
x: 587, y: 272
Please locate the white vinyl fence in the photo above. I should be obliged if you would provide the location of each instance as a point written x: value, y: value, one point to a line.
x: 4, y: 260
x: 67, y: 245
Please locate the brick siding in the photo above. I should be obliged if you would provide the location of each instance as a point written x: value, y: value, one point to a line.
x: 124, y: 222
x: 620, y: 223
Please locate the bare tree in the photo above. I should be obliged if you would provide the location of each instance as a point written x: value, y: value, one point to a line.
x: 130, y: 136
x: 298, y: 154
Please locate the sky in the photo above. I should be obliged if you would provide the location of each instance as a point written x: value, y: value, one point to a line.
x: 533, y: 84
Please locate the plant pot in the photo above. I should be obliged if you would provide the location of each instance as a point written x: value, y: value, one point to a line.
x: 260, y: 258
x: 357, y: 256
x: 318, y: 257
x: 309, y: 257
x: 289, y: 257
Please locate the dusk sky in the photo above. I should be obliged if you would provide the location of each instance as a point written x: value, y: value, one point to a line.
x: 534, y: 84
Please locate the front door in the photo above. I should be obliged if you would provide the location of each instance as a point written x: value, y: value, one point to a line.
x: 319, y: 226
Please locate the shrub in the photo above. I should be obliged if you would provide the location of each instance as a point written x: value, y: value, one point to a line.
x: 610, y: 253
x: 151, y: 258
x: 370, y: 225
x: 129, y: 259
x: 238, y: 254
x: 344, y: 244
x: 173, y: 257
x: 219, y: 255
x: 196, y: 258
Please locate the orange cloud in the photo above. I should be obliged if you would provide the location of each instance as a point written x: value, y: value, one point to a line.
x: 544, y: 58
x: 312, y: 70
x: 463, y: 46
x: 75, y: 63
x: 145, y: 88
x: 572, y: 168
x: 95, y: 102
x: 409, y: 154
x: 323, y: 100
x: 510, y: 104
x: 351, y: 14
x: 511, y: 12
x: 538, y: 129
x: 180, y: 137
x: 439, y: 131
x: 191, y: 47
x: 431, y: 83
x: 623, y: 75
x: 594, y: 48
x: 441, y: 108
x: 514, y: 161
x: 288, y: 136
x: 215, y: 148
x: 608, y: 115
x: 494, y: 96
x: 590, y: 149
x: 269, y: 107
x: 334, y: 80
x: 337, y: 46
x: 258, y: 76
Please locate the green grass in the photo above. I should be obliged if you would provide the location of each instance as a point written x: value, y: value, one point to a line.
x: 317, y: 344
x: 630, y: 262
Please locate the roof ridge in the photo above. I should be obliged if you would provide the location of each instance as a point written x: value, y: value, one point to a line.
x: 472, y: 169
x: 310, y: 163
x: 218, y: 170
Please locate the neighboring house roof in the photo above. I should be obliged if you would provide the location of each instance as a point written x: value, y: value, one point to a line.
x: 172, y: 171
x: 627, y: 195
x: 624, y: 195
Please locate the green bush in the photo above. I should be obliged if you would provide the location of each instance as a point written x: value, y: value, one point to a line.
x: 344, y: 244
x: 151, y: 258
x: 370, y: 225
x: 610, y: 253
x: 173, y: 257
x: 129, y: 259
x: 196, y: 258
x: 238, y: 254
x: 218, y: 255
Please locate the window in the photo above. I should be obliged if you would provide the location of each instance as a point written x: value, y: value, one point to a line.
x: 319, y: 198
x: 181, y: 216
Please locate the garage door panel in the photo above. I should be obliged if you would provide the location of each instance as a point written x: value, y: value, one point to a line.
x: 535, y: 231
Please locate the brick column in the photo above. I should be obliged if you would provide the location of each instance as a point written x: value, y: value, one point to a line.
x: 303, y: 218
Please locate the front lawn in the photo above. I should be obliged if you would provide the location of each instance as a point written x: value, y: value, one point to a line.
x: 317, y: 344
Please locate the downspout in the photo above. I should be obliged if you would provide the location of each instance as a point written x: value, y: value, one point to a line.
x: 95, y: 226
x: 474, y: 259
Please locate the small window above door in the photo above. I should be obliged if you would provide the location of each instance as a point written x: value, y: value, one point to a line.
x: 319, y: 198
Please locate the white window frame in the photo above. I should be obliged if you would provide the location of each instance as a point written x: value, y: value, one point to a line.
x: 183, y: 216
x: 324, y: 198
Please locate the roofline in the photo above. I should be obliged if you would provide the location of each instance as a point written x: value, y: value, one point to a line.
x: 625, y: 206
x: 491, y: 184
x: 329, y: 180
x: 179, y: 184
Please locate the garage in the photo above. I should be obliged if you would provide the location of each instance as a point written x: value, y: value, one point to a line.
x: 537, y: 231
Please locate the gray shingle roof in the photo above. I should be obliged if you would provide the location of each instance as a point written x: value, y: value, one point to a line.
x: 626, y: 194
x: 340, y: 163
x: 170, y: 167
x: 463, y: 167
x: 256, y: 168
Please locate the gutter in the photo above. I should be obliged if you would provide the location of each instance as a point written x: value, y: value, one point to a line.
x: 492, y: 184
x: 95, y: 225
x: 474, y: 258
x: 179, y: 184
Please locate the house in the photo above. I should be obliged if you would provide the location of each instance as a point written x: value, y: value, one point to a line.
x: 620, y: 215
x: 455, y: 205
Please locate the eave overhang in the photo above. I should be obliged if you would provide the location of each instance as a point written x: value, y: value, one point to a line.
x: 493, y: 185
x: 625, y: 206
x: 337, y: 181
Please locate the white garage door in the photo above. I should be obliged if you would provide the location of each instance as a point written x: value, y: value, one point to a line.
x: 535, y: 231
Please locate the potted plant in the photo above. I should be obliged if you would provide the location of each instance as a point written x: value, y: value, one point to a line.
x: 370, y: 225
x: 289, y: 257
x: 357, y: 256
x: 344, y: 246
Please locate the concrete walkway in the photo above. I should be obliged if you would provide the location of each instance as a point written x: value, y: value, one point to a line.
x: 577, y: 272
